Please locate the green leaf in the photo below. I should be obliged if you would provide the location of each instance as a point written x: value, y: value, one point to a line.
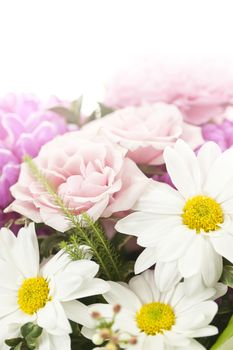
x: 66, y: 113
x: 91, y: 118
x: 13, y: 341
x: 76, y: 106
x: 104, y: 110
x: 227, y: 275
x: 31, y: 343
x: 19, y: 346
x: 36, y: 332
x: 26, y: 329
x: 225, y: 340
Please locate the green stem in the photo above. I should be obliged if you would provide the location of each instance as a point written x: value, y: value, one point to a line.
x: 104, y: 243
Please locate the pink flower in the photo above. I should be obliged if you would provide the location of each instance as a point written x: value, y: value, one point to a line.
x: 201, y: 91
x: 221, y: 133
x: 90, y: 175
x: 25, y: 125
x: 145, y: 131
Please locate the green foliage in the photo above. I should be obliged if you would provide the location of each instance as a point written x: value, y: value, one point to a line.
x: 74, y: 249
x: 227, y: 275
x: 101, y: 111
x: 225, y: 340
x: 30, y: 334
x: 72, y: 114
x: 104, y: 110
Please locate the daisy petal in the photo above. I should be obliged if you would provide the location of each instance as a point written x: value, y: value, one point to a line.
x: 183, y: 168
x: 52, y: 317
x: 145, y: 260
x: 223, y: 245
x: 195, y: 345
x: 167, y: 275
x: 90, y: 287
x: 207, y: 155
x: 122, y: 295
x: 78, y: 312
x: 142, y: 290
x: 190, y: 262
x: 7, y: 242
x: 220, y: 174
x: 154, y: 342
x: 160, y: 198
x: 211, y: 265
x: 175, y: 244
x: 27, y: 245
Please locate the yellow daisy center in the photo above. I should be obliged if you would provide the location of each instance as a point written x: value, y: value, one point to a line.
x: 33, y: 295
x: 202, y: 213
x: 155, y: 318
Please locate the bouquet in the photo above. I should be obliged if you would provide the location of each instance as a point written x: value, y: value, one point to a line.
x: 117, y: 228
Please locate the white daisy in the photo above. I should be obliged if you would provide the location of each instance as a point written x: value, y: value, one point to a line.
x: 44, y: 295
x: 190, y: 228
x: 161, y: 321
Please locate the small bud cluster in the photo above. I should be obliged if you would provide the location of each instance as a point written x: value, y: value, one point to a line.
x: 106, y: 337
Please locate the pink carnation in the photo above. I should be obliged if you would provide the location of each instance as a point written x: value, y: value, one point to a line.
x: 145, y: 131
x: 202, y: 92
x: 25, y: 125
x: 90, y: 175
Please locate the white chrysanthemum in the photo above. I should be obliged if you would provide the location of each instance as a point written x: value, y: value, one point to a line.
x: 167, y: 320
x: 191, y: 228
x: 44, y: 295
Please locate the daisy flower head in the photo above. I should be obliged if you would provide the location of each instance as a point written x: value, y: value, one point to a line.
x: 43, y: 294
x: 189, y: 228
x: 158, y: 320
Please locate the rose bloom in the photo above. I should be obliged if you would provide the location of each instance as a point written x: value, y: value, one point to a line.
x: 89, y: 175
x: 145, y: 131
x: 25, y: 125
x: 202, y: 92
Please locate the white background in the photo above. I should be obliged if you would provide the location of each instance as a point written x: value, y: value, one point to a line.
x: 72, y: 46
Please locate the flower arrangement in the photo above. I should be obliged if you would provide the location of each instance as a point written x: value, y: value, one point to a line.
x: 117, y: 228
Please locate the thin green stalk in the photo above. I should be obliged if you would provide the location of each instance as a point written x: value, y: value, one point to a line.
x: 103, y: 242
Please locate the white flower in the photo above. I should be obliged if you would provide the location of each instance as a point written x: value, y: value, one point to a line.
x: 167, y: 320
x: 44, y: 295
x: 190, y: 228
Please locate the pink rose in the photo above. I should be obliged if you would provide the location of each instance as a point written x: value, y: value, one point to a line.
x: 200, y: 91
x: 90, y: 175
x: 145, y: 131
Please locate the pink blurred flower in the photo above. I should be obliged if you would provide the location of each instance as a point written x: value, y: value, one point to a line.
x: 222, y: 133
x: 90, y: 175
x: 145, y: 131
x: 25, y: 125
x: 201, y: 91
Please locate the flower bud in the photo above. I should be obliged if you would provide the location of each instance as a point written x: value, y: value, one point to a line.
x: 105, y: 333
x: 111, y: 346
x: 116, y: 308
x: 133, y: 341
x: 96, y: 315
x: 97, y: 339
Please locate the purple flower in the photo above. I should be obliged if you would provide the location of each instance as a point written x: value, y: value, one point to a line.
x: 25, y: 125
x: 222, y: 133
